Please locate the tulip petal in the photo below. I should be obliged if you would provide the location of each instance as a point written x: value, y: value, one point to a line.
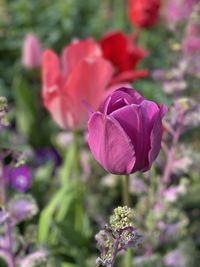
x: 82, y: 89
x: 156, y: 134
x: 50, y: 72
x: 110, y: 145
x: 122, y: 51
x: 130, y: 75
x: 32, y: 52
x: 114, y: 46
x: 54, y: 101
x: 78, y: 51
x: 120, y: 98
x: 128, y: 118
x: 134, y: 122
x: 58, y: 107
x: 149, y: 113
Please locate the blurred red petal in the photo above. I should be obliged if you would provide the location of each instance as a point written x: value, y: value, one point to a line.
x: 129, y: 76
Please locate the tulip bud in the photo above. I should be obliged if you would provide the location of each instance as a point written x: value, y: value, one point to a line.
x: 144, y: 13
x: 32, y: 52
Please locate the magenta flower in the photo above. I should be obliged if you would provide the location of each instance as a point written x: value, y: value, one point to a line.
x: 191, y: 43
x: 178, y: 11
x: 125, y: 134
x: 31, y: 52
x: 21, y: 178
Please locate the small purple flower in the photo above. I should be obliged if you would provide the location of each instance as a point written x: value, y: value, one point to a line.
x: 35, y: 258
x: 4, y: 242
x: 125, y: 134
x: 21, y: 178
x: 171, y: 194
x: 22, y: 207
x: 175, y: 258
x: 137, y: 185
x: 47, y: 154
x: 4, y: 216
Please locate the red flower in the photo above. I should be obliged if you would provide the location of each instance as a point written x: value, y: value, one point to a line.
x: 124, y: 54
x: 144, y: 13
x: 82, y: 78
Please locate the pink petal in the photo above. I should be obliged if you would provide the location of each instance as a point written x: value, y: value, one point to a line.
x: 149, y: 112
x: 86, y: 85
x: 156, y: 135
x: 78, y: 51
x: 128, y: 118
x: 110, y: 145
x: 51, y: 73
x: 135, y: 122
x: 120, y: 98
x: 32, y: 52
x: 59, y: 110
x: 54, y: 100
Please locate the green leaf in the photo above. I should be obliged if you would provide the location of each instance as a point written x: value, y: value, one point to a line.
x: 67, y: 264
x: 46, y: 217
x: 60, y: 203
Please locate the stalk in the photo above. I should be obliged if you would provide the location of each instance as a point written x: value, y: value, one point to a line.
x: 3, y: 199
x: 79, y: 186
x: 128, y: 260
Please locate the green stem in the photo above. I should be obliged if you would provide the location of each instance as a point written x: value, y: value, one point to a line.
x: 125, y: 190
x: 67, y: 165
x: 79, y: 186
x: 126, y: 202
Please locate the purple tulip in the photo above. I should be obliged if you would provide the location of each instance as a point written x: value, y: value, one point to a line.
x: 125, y: 134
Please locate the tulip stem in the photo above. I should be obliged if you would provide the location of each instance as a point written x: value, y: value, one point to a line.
x: 125, y: 190
x: 79, y: 185
x: 128, y: 260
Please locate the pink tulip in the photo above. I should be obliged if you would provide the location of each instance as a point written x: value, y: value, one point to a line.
x: 125, y: 134
x: 79, y: 80
x: 32, y: 52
